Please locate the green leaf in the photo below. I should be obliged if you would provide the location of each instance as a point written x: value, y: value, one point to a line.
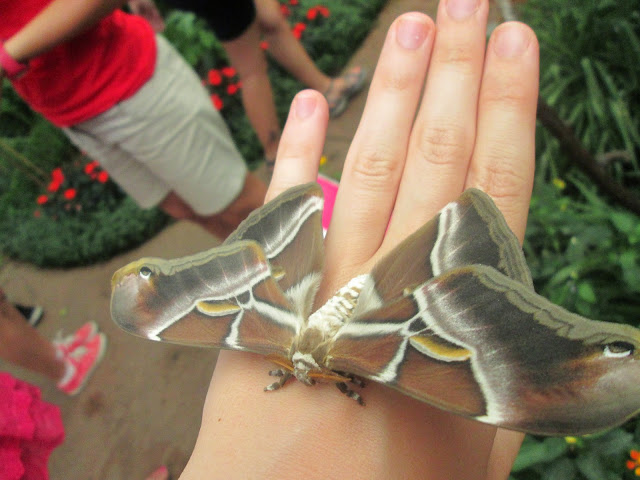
x: 586, y: 292
x: 561, y: 469
x: 534, y: 452
x: 590, y: 466
x: 625, y: 222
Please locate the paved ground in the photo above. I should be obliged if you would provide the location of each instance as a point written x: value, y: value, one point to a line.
x: 143, y: 405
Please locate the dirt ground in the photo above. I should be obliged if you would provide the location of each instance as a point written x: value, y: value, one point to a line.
x: 143, y: 405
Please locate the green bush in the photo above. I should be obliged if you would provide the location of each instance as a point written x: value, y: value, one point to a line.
x: 66, y: 240
x: 584, y: 253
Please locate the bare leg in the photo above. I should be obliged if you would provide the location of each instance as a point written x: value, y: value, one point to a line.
x: 22, y: 345
x: 257, y: 97
x: 225, y: 222
x: 285, y: 48
x: 290, y: 54
x: 249, y: 60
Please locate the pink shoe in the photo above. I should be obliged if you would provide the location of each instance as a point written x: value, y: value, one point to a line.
x: 81, y: 362
x: 69, y: 343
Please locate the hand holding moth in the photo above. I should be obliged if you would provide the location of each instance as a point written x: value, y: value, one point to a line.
x: 474, y: 128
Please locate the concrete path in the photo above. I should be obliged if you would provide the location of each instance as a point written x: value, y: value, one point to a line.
x: 142, y: 407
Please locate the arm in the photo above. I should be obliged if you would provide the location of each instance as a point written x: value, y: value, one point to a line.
x: 148, y: 10
x: 474, y: 127
x: 62, y: 20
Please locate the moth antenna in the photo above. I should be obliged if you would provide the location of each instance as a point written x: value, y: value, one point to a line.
x: 280, y: 383
x: 350, y: 393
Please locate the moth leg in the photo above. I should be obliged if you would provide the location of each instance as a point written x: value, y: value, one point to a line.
x: 357, y: 381
x: 350, y: 393
x: 284, y: 376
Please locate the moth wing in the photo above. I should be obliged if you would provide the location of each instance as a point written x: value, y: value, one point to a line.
x: 225, y: 297
x: 289, y: 229
x: 470, y: 230
x: 480, y: 344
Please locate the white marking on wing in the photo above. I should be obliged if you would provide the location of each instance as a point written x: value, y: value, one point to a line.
x: 274, y: 246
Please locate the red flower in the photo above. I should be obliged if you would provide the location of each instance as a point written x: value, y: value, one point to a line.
x: 214, y: 77
x: 293, y: 2
x: 42, y: 199
x: 103, y: 177
x: 90, y: 167
x: 634, y: 463
x: 284, y: 10
x: 69, y: 193
x: 217, y: 101
x: 312, y: 13
x: 232, y: 89
x: 53, y: 186
x: 264, y: 45
x: 228, y: 72
x: 57, y: 176
x: 36, y: 213
x: 297, y: 30
x: 322, y: 10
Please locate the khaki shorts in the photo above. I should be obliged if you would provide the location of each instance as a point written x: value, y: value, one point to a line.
x: 167, y: 137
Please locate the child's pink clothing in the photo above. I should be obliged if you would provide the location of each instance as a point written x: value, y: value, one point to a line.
x: 29, y: 430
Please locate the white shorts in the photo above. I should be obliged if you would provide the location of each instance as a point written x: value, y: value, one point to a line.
x: 167, y: 137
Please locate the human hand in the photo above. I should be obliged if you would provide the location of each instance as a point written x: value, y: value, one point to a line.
x: 474, y: 127
x: 147, y: 10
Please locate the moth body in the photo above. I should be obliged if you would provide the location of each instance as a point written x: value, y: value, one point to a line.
x: 310, y: 349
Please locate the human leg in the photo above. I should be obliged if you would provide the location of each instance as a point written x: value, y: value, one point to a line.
x: 285, y: 48
x: 257, y: 96
x: 291, y: 55
x: 22, y: 345
x: 225, y: 222
x: 168, y: 146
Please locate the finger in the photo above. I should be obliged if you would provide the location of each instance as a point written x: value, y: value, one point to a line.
x: 301, y: 144
x: 504, y: 157
x: 375, y: 161
x: 443, y: 136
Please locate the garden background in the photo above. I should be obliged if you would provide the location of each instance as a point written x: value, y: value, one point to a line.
x: 582, y: 241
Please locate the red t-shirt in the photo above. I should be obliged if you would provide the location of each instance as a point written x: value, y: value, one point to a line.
x: 87, y: 75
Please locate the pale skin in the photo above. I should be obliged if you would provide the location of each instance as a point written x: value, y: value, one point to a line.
x: 62, y: 20
x: 22, y: 345
x: 474, y: 127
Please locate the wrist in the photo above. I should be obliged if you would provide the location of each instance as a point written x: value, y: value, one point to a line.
x: 11, y: 67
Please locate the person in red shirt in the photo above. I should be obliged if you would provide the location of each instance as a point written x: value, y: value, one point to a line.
x: 128, y: 99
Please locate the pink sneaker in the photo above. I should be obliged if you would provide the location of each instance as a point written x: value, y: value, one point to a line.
x: 81, y: 363
x: 69, y: 343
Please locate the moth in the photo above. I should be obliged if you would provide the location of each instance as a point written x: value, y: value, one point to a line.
x: 449, y: 317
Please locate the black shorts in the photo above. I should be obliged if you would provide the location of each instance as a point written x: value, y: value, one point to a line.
x: 228, y: 18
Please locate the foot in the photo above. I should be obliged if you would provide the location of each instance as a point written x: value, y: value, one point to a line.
x: 81, y: 363
x: 342, y: 88
x: 69, y: 343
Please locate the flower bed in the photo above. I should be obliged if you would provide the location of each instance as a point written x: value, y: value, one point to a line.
x: 59, y: 209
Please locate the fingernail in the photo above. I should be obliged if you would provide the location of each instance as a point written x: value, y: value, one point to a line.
x: 411, y: 32
x: 305, y: 105
x: 511, y: 41
x: 461, y: 9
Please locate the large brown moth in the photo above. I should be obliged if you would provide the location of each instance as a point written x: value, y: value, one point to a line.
x: 448, y: 317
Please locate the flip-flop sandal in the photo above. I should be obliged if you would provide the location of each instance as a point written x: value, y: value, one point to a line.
x: 354, y: 79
